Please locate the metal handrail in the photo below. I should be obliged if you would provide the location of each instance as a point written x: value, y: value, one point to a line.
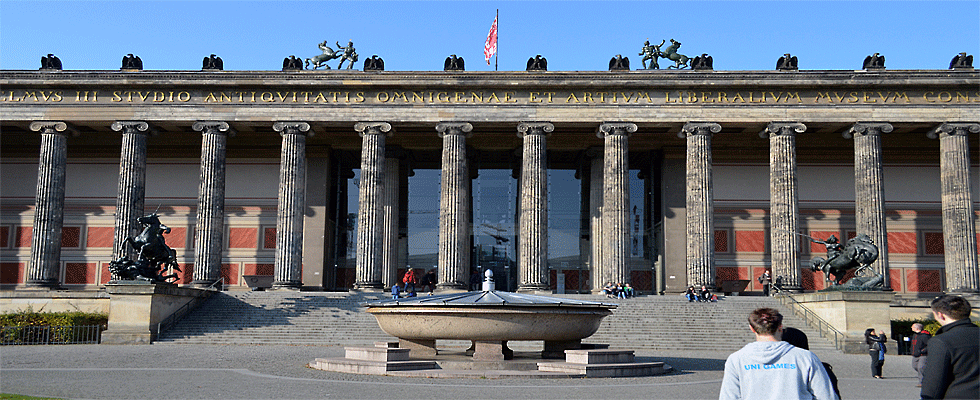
x: 814, y: 321
x: 175, y: 317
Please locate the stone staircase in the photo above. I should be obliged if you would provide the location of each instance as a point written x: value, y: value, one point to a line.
x: 331, y: 318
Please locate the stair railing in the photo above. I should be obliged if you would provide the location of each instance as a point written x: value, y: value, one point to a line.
x: 169, y: 322
x: 824, y: 328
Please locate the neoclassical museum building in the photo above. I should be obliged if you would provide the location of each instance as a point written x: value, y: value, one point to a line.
x: 554, y: 180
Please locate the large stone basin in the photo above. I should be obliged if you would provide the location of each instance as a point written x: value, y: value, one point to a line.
x: 489, y: 319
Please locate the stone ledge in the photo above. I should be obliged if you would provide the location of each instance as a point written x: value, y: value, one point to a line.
x: 53, y: 294
x: 338, y: 364
x: 147, y: 288
x: 606, y: 370
x: 868, y: 296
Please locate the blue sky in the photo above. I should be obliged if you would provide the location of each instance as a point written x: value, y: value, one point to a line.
x: 417, y: 36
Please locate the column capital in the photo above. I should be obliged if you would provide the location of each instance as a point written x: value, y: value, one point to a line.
x: 868, y: 128
x: 213, y: 127
x: 782, y: 128
x: 453, y: 128
x: 698, y: 128
x: 615, y: 128
x: 372, y: 128
x: 292, y: 128
x: 53, y: 127
x: 954, y: 129
x: 534, y: 128
x: 132, y: 127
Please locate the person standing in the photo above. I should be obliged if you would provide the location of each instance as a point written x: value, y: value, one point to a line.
x: 429, y: 281
x: 771, y: 369
x: 920, y: 338
x: 766, y: 281
x: 876, y: 349
x: 953, y: 371
x: 410, y: 280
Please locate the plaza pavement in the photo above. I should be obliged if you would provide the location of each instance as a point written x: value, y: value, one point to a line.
x: 166, y: 371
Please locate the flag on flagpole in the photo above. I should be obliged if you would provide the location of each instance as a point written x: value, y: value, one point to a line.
x: 490, y: 48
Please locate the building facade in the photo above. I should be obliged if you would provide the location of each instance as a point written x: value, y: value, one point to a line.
x: 337, y: 180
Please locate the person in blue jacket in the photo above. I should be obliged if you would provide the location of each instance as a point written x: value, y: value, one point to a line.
x: 772, y: 369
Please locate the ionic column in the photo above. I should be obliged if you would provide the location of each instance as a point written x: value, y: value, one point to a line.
x: 700, y: 203
x: 49, y: 215
x: 132, y: 186
x: 292, y: 200
x: 371, y: 200
x: 454, y: 204
x: 595, y: 218
x: 533, y: 263
x: 391, y: 248
x: 959, y: 226
x: 869, y: 192
x: 783, y: 202
x: 210, y: 227
x: 615, y: 201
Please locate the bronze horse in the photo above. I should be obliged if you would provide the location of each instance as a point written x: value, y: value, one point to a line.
x: 152, y: 250
x: 859, y: 253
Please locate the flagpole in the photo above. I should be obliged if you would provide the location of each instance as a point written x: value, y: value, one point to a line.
x: 496, y: 57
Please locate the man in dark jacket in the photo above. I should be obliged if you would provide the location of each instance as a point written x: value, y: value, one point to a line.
x: 919, y: 340
x: 953, y: 371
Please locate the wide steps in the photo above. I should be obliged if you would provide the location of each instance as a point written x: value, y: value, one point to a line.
x: 327, y: 318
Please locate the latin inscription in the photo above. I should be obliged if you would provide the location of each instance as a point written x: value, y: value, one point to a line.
x: 479, y: 97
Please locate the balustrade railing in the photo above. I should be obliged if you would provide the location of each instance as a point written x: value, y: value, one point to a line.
x: 47, y: 334
x: 175, y: 317
x: 811, y: 319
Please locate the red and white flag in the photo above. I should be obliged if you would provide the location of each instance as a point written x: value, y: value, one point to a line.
x: 490, y: 48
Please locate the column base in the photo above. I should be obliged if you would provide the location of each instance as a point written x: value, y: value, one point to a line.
x: 42, y: 285
x: 444, y: 289
x: 368, y: 287
x: 534, y: 289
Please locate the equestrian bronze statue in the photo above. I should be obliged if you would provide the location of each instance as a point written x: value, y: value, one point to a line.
x: 857, y: 254
x: 153, y: 256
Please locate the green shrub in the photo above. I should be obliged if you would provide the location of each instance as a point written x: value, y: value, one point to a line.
x: 903, y: 327
x: 14, y: 323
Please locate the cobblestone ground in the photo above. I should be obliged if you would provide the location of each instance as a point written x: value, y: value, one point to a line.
x: 280, y: 372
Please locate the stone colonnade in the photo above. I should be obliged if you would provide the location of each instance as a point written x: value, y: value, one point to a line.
x: 608, y: 212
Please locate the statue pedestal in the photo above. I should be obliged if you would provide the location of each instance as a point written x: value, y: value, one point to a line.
x: 136, y: 307
x: 852, y: 313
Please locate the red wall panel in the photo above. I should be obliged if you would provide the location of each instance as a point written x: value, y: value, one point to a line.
x: 750, y: 241
x: 80, y: 273
x: 11, y: 273
x: 902, y: 243
x: 22, y: 237
x: 242, y: 238
x: 99, y: 237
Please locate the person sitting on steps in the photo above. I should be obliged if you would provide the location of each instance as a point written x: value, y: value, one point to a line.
x: 691, y: 294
